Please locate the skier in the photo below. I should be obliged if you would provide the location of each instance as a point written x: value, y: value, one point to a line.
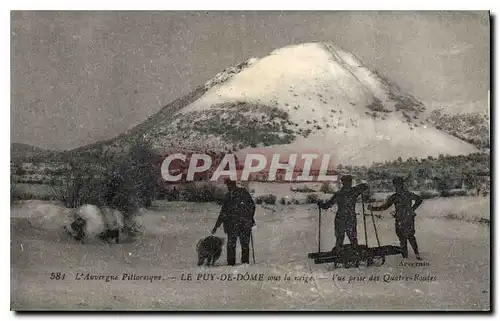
x: 237, y: 216
x: 345, y: 218
x: 405, y: 215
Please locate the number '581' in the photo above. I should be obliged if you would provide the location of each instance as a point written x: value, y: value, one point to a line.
x: 57, y: 276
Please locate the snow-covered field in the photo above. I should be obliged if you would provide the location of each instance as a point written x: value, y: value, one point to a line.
x: 457, y: 253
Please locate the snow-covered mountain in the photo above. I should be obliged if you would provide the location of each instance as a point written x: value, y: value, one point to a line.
x: 312, y: 96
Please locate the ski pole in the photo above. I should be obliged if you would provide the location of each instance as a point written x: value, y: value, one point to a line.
x: 364, y: 221
x: 319, y: 231
x: 375, y: 228
x: 253, y: 249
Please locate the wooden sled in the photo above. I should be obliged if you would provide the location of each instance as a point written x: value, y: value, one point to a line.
x: 316, y: 255
x: 377, y: 251
x: 349, y: 255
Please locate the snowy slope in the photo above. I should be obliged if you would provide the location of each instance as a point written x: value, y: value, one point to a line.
x: 322, y: 98
x: 312, y: 96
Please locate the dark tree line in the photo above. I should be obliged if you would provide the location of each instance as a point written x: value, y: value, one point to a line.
x: 441, y: 173
x: 125, y: 182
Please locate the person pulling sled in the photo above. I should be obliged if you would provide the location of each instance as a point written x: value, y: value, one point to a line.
x: 404, y: 216
x: 345, y: 218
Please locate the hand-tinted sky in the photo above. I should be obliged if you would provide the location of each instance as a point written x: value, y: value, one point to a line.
x: 78, y: 77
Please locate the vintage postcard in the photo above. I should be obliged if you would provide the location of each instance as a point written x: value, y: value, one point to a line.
x: 250, y: 160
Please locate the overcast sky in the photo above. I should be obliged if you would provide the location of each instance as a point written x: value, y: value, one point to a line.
x: 78, y: 77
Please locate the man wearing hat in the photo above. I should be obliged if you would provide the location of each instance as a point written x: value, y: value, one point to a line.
x: 405, y: 215
x: 345, y: 218
x: 237, y: 217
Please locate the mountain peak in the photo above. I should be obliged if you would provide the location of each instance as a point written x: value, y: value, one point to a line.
x: 312, y: 96
x: 304, y: 70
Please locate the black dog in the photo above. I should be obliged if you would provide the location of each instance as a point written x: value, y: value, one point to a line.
x: 110, y: 235
x: 79, y: 227
x: 210, y: 249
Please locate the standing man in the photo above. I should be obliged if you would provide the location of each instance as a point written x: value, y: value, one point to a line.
x: 237, y: 216
x: 345, y: 218
x: 405, y: 215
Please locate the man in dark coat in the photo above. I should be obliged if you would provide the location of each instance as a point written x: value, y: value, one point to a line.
x: 405, y: 215
x: 345, y: 219
x: 237, y: 217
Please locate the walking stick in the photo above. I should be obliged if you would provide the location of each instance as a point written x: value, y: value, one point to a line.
x: 364, y: 222
x: 319, y: 231
x: 375, y: 228
x: 253, y: 251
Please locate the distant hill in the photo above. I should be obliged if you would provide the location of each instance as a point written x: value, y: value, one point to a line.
x: 314, y: 96
x: 26, y: 153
